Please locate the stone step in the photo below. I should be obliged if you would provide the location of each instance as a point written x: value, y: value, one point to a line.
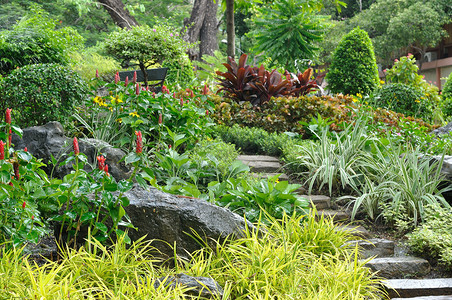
x: 319, y: 201
x: 437, y: 288
x: 399, y: 267
x: 336, y: 215
x: 261, y: 163
x: 268, y: 175
x: 357, y: 231
x: 374, y: 247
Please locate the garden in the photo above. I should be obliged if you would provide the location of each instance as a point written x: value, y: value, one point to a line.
x: 365, y: 141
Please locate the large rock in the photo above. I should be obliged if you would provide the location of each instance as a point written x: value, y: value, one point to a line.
x: 443, y: 130
x: 172, y: 219
x: 49, y: 140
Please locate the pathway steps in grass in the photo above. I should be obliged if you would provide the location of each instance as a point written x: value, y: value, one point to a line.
x: 385, y: 263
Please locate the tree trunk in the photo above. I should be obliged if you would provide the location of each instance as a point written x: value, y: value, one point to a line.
x: 119, y: 13
x: 209, y: 30
x: 230, y: 28
x: 193, y: 26
x: 202, y: 27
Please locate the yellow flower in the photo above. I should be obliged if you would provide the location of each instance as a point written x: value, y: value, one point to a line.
x: 119, y: 120
x: 382, y: 82
x: 134, y: 114
x: 417, y: 101
x: 359, y: 95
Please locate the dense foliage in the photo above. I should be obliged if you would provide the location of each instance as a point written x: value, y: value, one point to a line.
x: 36, y: 38
x: 41, y: 93
x: 353, y: 69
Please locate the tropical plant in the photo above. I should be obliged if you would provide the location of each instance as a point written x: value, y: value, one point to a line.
x: 257, y: 86
x: 402, y: 98
x: 354, y: 68
x: 286, y: 31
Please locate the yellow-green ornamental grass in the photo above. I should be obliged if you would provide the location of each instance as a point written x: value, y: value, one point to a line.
x: 286, y: 261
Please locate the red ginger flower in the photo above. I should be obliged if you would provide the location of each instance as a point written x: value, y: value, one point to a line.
x: 116, y: 77
x: 101, y: 162
x: 181, y: 101
x: 139, y: 142
x: 106, y: 170
x: 2, y: 150
x: 24, y: 204
x: 137, y: 89
x: 160, y: 118
x: 126, y: 83
x: 75, y: 146
x: 8, y: 116
x: 134, y: 77
x: 97, y: 73
x: 205, y: 90
x: 26, y: 149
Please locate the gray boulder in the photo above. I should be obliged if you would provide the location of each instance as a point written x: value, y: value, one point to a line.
x: 49, y: 140
x: 203, y: 287
x: 172, y: 220
x: 443, y: 130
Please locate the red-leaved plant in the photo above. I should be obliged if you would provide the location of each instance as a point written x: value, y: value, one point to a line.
x: 245, y: 83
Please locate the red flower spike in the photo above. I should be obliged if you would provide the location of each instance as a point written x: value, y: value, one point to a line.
x: 126, y: 83
x: 205, y: 90
x: 32, y: 218
x: 8, y: 116
x: 26, y: 149
x: 181, y: 101
x: 147, y: 89
x: 139, y: 148
x: 160, y: 118
x: 97, y: 73
x: 24, y: 204
x: 117, y: 78
x: 2, y: 150
x: 134, y: 77
x: 101, y: 162
x: 169, y: 146
x: 75, y: 146
x: 174, y: 95
x: 106, y: 170
x: 207, y: 112
x: 137, y: 89
x: 153, y: 94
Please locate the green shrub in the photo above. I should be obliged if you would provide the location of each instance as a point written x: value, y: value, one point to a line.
x: 446, y: 96
x: 41, y: 93
x: 254, y: 140
x: 434, y: 236
x: 35, y: 39
x: 405, y: 71
x: 180, y: 72
x: 354, y: 68
x: 403, y: 98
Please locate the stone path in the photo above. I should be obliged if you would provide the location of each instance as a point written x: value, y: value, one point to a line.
x: 393, y: 266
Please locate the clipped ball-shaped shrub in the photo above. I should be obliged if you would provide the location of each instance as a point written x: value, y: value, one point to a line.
x: 353, y: 69
x: 402, y: 98
x: 41, y: 93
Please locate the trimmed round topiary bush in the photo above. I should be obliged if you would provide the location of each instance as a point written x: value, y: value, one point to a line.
x: 41, y: 93
x: 353, y: 69
x: 402, y: 98
x: 179, y: 71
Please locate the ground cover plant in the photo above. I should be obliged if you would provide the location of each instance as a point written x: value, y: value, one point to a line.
x: 288, y: 261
